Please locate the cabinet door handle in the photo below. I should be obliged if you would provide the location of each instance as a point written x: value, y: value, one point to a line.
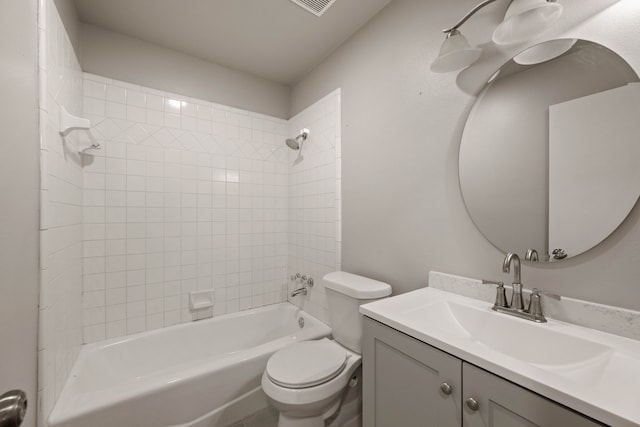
x: 446, y: 388
x: 472, y: 404
x: 13, y: 408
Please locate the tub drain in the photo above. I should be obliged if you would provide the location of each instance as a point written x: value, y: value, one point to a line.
x: 301, y: 322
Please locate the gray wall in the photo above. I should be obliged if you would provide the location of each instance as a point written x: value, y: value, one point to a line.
x: 69, y: 16
x: 403, y: 214
x: 126, y: 58
x: 19, y: 195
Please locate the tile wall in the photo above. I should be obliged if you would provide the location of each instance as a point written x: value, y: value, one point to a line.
x: 315, y: 233
x: 183, y: 195
x: 60, y: 316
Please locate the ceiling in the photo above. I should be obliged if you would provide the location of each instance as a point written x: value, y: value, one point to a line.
x: 273, y: 39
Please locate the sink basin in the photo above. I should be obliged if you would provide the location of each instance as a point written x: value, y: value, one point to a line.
x: 517, y: 338
x: 592, y: 372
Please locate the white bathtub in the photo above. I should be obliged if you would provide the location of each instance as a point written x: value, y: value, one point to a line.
x: 199, y: 374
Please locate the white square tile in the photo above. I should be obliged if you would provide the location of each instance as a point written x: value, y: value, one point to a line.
x: 136, y: 114
x: 155, y: 117
x: 116, y: 110
x: 136, y: 99
x: 155, y: 102
x: 116, y: 329
x: 172, y: 120
x: 189, y: 109
x: 94, y: 89
x: 94, y: 106
x: 116, y: 94
x: 172, y: 105
x: 136, y: 309
x: 135, y: 325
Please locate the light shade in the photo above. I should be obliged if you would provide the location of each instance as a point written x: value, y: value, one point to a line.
x: 455, y: 54
x: 526, y: 19
x: 544, y: 51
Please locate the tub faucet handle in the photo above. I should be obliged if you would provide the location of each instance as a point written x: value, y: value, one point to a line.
x: 306, y: 280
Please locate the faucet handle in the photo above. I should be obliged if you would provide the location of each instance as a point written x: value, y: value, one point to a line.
x: 501, y: 295
x: 539, y: 292
x: 531, y: 255
x: 535, y: 307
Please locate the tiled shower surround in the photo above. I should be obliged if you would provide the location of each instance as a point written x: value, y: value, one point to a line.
x: 315, y: 233
x: 183, y: 195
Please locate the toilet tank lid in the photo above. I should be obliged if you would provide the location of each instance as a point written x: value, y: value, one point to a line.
x: 355, y: 286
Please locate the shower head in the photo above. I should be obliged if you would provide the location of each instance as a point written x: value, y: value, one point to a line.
x: 293, y: 143
x: 296, y: 143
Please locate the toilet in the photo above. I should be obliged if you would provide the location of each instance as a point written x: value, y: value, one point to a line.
x: 308, y: 381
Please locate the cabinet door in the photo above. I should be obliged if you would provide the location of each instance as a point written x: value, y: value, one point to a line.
x: 504, y: 404
x: 402, y: 380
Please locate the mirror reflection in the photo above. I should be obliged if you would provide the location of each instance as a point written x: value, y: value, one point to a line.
x: 550, y: 157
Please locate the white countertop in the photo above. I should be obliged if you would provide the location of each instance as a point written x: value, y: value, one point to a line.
x: 589, y: 371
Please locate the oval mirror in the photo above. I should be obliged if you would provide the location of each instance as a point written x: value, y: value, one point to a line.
x: 550, y: 153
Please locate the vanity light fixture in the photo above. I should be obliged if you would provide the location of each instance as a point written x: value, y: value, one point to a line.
x: 544, y: 52
x: 523, y: 20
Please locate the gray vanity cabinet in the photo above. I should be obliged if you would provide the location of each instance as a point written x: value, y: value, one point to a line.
x: 409, y: 383
x: 404, y: 381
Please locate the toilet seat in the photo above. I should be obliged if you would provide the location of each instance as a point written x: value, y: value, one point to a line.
x: 307, y: 364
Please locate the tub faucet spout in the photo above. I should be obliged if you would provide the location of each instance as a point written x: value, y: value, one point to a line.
x: 299, y: 291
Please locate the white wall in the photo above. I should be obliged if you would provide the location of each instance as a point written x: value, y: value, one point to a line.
x: 60, y: 330
x: 132, y: 60
x: 315, y: 201
x: 69, y: 17
x: 403, y: 214
x: 183, y: 195
x: 19, y: 200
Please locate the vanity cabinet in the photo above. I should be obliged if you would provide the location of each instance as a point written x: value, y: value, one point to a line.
x: 409, y: 383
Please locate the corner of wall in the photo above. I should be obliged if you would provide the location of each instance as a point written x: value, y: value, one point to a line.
x: 315, y: 201
x: 60, y: 320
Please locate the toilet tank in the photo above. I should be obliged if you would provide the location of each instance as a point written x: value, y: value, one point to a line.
x: 345, y: 293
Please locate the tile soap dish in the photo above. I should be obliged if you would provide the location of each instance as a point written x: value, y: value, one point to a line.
x: 199, y: 300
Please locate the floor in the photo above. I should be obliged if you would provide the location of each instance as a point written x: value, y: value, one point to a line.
x: 267, y: 417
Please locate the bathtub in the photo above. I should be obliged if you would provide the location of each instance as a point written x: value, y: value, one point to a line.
x: 199, y: 374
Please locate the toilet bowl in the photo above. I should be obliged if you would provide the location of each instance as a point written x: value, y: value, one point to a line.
x: 307, y: 381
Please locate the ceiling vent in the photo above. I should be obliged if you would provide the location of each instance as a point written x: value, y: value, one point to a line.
x: 317, y: 7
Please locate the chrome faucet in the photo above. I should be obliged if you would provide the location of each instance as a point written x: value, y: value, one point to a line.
x: 517, y: 303
x: 516, y: 308
x: 305, y: 281
x: 299, y: 291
